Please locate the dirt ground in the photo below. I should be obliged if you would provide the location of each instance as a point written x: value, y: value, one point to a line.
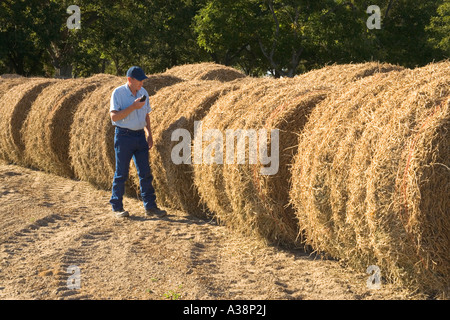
x: 49, y: 223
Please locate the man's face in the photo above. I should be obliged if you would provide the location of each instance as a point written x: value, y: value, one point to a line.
x: 135, y: 85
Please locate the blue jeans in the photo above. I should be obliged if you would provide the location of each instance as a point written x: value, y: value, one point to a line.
x: 130, y: 144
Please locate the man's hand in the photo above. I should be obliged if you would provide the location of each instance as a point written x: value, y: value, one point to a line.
x: 120, y: 115
x: 150, y: 142
x: 137, y: 104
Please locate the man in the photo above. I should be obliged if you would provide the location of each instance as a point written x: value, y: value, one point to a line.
x: 133, y: 139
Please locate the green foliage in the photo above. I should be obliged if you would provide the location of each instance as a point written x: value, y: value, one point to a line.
x: 403, y: 38
x: 439, y: 28
x: 282, y: 37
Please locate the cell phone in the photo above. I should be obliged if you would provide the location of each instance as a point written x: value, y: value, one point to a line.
x: 143, y: 99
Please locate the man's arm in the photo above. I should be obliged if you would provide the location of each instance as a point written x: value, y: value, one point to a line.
x: 148, y: 131
x: 122, y: 114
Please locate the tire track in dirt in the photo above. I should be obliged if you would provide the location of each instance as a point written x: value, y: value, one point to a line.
x: 49, y: 224
x: 25, y: 250
x: 81, y: 257
x: 204, y: 263
x: 57, y: 233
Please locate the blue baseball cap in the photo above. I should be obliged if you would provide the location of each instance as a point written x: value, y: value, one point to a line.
x: 136, y: 73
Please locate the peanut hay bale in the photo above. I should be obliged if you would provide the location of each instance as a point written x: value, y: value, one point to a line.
x: 208, y: 175
x: 179, y: 107
x: 8, y: 81
x: 156, y: 82
x: 342, y: 74
x: 46, y: 132
x: 15, y: 106
x: 259, y: 201
x: 91, y: 140
x: 370, y: 182
x: 205, y: 71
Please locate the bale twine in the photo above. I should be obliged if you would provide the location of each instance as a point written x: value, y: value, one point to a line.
x: 15, y: 106
x: 179, y: 107
x: 205, y: 71
x: 46, y: 132
x: 365, y: 157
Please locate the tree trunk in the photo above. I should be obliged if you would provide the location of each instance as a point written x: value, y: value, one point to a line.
x: 63, y: 72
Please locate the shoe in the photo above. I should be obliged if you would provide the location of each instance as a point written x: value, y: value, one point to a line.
x: 155, y: 212
x: 121, y: 214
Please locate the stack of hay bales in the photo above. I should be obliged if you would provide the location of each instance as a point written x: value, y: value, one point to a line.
x: 240, y: 195
x: 371, y: 179
x: 15, y: 106
x: 205, y: 71
x: 363, y: 172
x: 46, y: 131
x: 179, y: 107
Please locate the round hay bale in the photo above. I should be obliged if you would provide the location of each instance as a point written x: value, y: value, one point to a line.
x: 101, y: 78
x: 90, y: 138
x: 156, y: 82
x: 9, y: 81
x: 46, y: 132
x: 15, y: 106
x: 342, y: 74
x: 11, y: 76
x: 179, y: 107
x: 205, y: 71
x: 366, y: 158
x: 258, y: 191
x: 208, y: 175
x: 323, y: 142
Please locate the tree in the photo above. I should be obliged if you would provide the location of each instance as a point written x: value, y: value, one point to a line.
x: 153, y: 34
x: 227, y: 29
x: 170, y: 35
x: 439, y: 29
x: 22, y: 49
x: 114, y: 35
x: 403, y: 38
x: 283, y: 36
